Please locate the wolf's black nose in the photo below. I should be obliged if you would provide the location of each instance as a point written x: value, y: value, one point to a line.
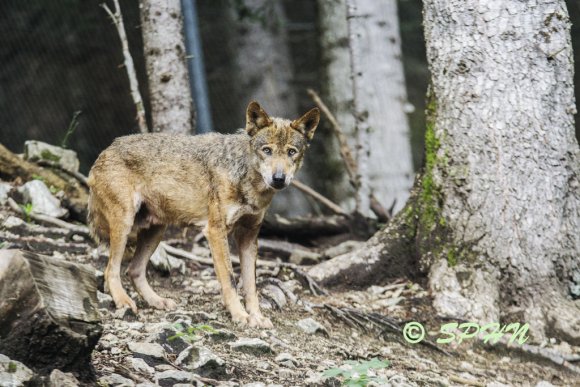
x: 279, y: 180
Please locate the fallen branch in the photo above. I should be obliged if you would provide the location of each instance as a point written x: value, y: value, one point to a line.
x: 82, y: 230
x: 347, y: 157
x: 117, y: 19
x: 282, y: 249
x: 313, y: 286
x: 77, y: 175
x: 306, y: 227
x: 320, y: 198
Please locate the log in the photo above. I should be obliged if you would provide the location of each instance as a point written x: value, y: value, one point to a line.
x: 77, y: 196
x: 301, y: 228
x: 48, y: 313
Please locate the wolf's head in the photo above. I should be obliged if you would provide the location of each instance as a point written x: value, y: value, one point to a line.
x: 279, y: 144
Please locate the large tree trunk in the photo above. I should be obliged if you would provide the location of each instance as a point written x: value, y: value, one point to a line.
x: 494, y: 219
x: 383, y: 147
x: 165, y: 57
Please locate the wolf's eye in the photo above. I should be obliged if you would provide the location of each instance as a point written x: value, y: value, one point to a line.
x: 267, y: 150
x: 291, y: 152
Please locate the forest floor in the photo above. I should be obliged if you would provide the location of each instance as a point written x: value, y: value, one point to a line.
x: 141, y: 349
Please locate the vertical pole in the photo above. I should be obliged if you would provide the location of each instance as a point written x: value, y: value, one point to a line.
x: 195, y: 65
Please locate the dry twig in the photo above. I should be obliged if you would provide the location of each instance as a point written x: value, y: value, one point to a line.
x: 82, y: 230
x: 117, y: 19
x: 322, y: 199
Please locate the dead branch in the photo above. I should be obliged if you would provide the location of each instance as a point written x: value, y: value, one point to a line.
x: 82, y: 230
x: 347, y: 157
x: 77, y: 175
x: 304, y: 228
x: 282, y: 249
x: 117, y: 19
x: 313, y: 286
x: 320, y: 198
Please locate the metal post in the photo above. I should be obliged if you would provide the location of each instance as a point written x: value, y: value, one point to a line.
x: 195, y: 65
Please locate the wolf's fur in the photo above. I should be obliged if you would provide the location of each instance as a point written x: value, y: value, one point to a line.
x: 224, y: 183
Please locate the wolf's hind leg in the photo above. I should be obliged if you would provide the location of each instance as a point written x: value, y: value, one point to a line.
x: 147, y: 241
x: 118, y: 240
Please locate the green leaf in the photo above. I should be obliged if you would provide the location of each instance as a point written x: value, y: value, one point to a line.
x: 333, y: 372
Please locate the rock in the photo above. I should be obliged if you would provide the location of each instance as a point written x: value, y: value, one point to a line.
x: 140, y: 366
x: 152, y: 353
x: 284, y: 373
x: 222, y: 335
x: 39, y: 151
x: 166, y: 263
x: 116, y: 380
x: 42, y: 201
x: 12, y: 222
x: 287, y: 360
x: 60, y: 379
x: 166, y: 337
x: 544, y: 383
x: 105, y: 301
x: 125, y: 314
x: 275, y: 295
x: 304, y: 257
x: 14, y: 373
x: 4, y: 189
x: 170, y: 378
x: 311, y: 326
x: 202, y: 361
x: 53, y: 320
x: 252, y: 346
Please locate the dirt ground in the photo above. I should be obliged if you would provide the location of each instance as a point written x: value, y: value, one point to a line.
x: 287, y: 355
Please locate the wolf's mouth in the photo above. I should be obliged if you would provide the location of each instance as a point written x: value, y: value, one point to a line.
x: 278, y: 185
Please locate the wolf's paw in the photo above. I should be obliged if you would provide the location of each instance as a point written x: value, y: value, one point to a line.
x: 259, y: 321
x: 124, y: 301
x: 162, y: 303
x: 240, y: 317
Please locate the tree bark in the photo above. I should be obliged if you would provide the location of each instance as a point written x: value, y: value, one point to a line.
x: 165, y: 57
x: 383, y: 148
x: 494, y: 218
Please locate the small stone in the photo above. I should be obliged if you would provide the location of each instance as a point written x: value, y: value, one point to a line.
x: 12, y: 222
x: 115, y: 350
x: 284, y: 373
x: 41, y: 199
x: 140, y: 366
x: 222, y: 335
x: 116, y: 380
x: 164, y: 367
x: 287, y: 360
x: 544, y: 383
x: 125, y: 314
x: 4, y: 190
x: 254, y: 384
x: 169, y: 378
x: 166, y: 263
x: 13, y: 373
x: 311, y: 326
x: 263, y: 365
x: 304, y: 257
x: 40, y: 151
x: 202, y: 361
x: 105, y: 300
x: 147, y: 351
x: 254, y: 346
x: 78, y: 238
x: 60, y: 379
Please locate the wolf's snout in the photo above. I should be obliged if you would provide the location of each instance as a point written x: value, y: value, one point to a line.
x: 279, y: 180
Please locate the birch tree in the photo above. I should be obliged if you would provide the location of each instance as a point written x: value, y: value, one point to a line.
x: 382, y: 130
x: 165, y: 58
x: 493, y: 220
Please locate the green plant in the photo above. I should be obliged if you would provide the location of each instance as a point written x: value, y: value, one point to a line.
x: 74, y: 123
x: 356, y: 373
x: 2, y: 245
x: 190, y: 334
x: 27, y: 209
x: 12, y: 368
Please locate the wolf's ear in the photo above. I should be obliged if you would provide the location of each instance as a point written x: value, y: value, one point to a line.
x: 256, y: 118
x: 307, y: 123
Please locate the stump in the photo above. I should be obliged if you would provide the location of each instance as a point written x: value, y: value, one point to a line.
x: 48, y: 312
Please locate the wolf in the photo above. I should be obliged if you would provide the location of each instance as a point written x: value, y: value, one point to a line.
x: 223, y: 183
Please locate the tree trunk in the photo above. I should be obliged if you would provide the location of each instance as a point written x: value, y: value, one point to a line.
x: 165, y: 57
x: 337, y: 81
x: 265, y: 75
x: 494, y: 218
x: 383, y: 147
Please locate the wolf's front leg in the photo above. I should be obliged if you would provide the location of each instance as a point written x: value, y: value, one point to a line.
x: 218, y: 243
x: 246, y: 235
